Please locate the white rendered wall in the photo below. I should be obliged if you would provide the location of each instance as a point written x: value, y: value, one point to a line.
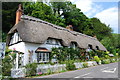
x: 25, y: 46
x: 33, y: 47
x: 21, y: 48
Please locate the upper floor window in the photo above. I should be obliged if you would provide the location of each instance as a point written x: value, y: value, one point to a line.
x: 49, y: 41
x: 73, y: 45
x: 97, y: 47
x: 90, y: 46
x: 52, y: 41
x: 56, y: 42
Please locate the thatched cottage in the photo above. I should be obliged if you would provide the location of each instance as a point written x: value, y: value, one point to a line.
x: 35, y: 38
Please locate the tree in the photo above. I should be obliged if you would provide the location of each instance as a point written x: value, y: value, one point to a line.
x: 100, y: 29
x: 8, y: 17
x: 42, y: 11
x: 112, y: 43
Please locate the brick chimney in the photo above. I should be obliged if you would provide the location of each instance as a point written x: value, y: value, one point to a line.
x: 18, y: 14
x: 70, y: 27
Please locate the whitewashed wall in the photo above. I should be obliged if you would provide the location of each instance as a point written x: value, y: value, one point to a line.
x: 25, y: 46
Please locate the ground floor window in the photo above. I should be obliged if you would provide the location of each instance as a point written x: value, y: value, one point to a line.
x: 43, y: 57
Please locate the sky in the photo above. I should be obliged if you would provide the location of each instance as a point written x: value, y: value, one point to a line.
x: 107, y: 11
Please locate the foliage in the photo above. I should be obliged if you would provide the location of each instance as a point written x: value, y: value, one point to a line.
x: 8, y: 17
x: 39, y: 9
x: 106, y: 56
x: 31, y: 69
x: 85, y: 64
x: 112, y: 60
x: 100, y: 29
x: 112, y: 43
x: 7, y: 64
x: 97, y: 59
x: 7, y: 51
x: 49, y: 71
x: 105, y: 61
x: 65, y: 53
x: 70, y: 65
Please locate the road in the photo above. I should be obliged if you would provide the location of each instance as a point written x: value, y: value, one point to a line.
x: 100, y: 71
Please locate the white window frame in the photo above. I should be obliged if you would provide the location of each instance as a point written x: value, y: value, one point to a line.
x: 43, y: 55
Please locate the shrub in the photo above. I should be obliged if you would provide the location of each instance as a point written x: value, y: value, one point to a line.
x: 85, y: 64
x: 31, y: 69
x: 117, y: 54
x: 70, y: 65
x: 97, y: 59
x: 7, y: 51
x: 106, y: 56
x: 49, y: 71
x: 7, y: 64
x: 65, y: 53
x: 6, y: 69
x: 106, y: 61
x: 112, y: 60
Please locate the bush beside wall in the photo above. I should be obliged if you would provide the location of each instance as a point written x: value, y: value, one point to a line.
x: 31, y: 69
x: 70, y: 65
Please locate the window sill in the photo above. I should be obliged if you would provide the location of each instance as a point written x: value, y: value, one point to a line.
x: 42, y: 61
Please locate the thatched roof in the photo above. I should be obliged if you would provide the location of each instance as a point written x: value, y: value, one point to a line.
x: 35, y: 30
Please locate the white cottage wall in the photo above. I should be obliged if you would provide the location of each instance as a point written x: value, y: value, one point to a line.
x: 32, y: 47
x: 21, y: 48
x: 25, y: 47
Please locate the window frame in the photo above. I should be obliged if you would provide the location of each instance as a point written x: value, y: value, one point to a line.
x: 44, y: 57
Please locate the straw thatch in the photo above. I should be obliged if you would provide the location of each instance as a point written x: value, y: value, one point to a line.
x: 35, y: 30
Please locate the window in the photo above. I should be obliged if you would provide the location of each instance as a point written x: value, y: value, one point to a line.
x: 57, y: 42
x: 52, y: 41
x: 90, y: 46
x: 43, y: 57
x: 97, y: 47
x: 49, y: 41
x: 73, y: 45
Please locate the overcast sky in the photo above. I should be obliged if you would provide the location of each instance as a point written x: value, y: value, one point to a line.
x: 107, y: 12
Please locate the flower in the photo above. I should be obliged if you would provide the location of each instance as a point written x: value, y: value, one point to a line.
x: 39, y: 73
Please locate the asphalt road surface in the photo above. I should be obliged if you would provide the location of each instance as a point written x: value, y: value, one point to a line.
x: 100, y: 71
